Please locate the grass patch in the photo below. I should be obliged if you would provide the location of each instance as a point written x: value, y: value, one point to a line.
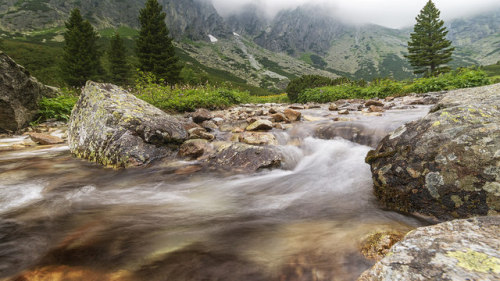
x: 280, y: 98
x: 187, y: 98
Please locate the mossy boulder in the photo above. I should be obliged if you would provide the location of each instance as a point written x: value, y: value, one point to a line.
x: 446, y: 165
x: 20, y: 94
x: 464, y: 249
x: 114, y: 128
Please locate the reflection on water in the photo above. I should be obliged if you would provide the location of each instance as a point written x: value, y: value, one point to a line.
x: 66, y: 219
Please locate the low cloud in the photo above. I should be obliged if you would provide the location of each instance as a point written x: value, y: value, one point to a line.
x: 390, y: 13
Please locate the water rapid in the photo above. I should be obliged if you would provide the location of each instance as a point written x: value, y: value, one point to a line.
x: 66, y: 219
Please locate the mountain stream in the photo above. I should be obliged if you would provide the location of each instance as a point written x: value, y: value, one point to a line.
x: 63, y: 218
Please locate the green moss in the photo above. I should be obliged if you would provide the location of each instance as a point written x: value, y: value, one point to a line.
x: 372, y: 156
x: 476, y: 261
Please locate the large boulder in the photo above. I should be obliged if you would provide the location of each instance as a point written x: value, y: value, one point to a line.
x: 114, y: 128
x: 19, y: 95
x: 456, y: 250
x: 446, y: 165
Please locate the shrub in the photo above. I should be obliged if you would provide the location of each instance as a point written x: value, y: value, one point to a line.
x: 58, y: 108
x: 299, y: 85
x: 461, y: 78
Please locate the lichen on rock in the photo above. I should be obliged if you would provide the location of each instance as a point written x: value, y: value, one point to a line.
x: 464, y: 249
x: 114, y: 128
x: 444, y: 165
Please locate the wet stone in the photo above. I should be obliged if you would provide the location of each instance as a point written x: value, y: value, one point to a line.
x: 45, y: 139
x: 260, y: 125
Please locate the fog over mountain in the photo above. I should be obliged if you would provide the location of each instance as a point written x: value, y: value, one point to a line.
x: 389, y: 13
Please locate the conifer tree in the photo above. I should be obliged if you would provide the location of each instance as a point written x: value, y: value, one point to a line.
x: 154, y: 47
x: 428, y: 48
x: 81, y: 56
x: 119, y: 69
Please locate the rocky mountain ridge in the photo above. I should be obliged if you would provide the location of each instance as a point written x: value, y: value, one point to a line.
x: 303, y: 34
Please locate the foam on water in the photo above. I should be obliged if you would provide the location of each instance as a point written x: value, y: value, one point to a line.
x: 18, y: 195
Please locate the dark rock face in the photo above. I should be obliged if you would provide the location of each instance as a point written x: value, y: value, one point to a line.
x: 304, y: 29
x: 240, y: 157
x: 446, y: 165
x: 112, y: 127
x: 185, y: 18
x: 19, y: 95
x: 455, y: 250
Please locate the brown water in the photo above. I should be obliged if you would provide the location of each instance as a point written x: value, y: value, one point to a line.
x: 65, y: 219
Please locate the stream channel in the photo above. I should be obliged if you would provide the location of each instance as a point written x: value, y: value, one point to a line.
x: 63, y: 218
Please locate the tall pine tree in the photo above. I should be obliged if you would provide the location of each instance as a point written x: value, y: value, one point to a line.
x: 154, y: 47
x: 119, y: 69
x: 428, y: 48
x: 81, y: 56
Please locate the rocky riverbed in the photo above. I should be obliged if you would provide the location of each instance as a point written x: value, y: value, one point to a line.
x: 254, y: 192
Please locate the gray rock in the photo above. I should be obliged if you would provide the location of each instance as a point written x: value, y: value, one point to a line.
x: 200, y: 133
x: 201, y: 115
x: 209, y: 125
x: 19, y: 95
x: 445, y: 165
x: 279, y: 117
x: 374, y: 103
x: 258, y: 138
x: 240, y: 157
x: 333, y: 107
x: 193, y: 148
x: 114, y: 128
x: 456, y: 250
x: 260, y: 125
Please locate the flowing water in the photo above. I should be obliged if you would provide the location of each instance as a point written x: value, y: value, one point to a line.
x: 66, y: 219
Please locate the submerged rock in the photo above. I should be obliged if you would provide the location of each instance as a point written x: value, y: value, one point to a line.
x: 455, y: 250
x: 114, y: 128
x: 377, y: 245
x: 445, y: 165
x: 19, y: 95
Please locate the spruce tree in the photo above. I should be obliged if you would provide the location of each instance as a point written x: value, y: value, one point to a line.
x: 119, y: 69
x: 428, y: 48
x: 81, y: 56
x: 154, y: 47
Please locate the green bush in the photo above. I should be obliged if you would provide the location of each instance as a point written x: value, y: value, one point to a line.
x: 57, y: 108
x: 461, y: 78
x: 187, y: 98
x: 299, y: 85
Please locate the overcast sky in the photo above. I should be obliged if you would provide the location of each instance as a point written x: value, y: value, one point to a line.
x: 390, y: 13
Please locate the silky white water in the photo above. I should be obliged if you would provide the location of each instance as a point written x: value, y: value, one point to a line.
x: 305, y: 222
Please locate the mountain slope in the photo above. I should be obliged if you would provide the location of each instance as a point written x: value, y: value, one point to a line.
x: 264, y: 52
